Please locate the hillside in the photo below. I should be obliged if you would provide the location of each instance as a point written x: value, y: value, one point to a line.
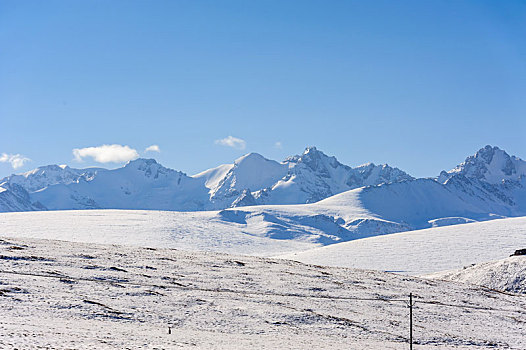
x: 280, y: 233
x: 192, y: 231
x: 508, y: 275
x: 59, y: 295
x: 425, y: 251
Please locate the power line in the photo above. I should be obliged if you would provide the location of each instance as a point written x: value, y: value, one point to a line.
x: 245, y: 292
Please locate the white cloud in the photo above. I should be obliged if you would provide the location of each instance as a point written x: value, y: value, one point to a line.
x: 232, y: 141
x: 278, y: 145
x: 153, y: 148
x: 16, y: 160
x: 106, y: 153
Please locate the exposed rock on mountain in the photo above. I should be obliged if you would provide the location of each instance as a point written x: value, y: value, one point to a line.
x: 311, y: 196
x: 313, y: 176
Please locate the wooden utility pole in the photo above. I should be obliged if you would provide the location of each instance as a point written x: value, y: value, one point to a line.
x: 410, y: 321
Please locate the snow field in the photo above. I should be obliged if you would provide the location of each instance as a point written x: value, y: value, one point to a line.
x: 425, y: 251
x: 72, y: 295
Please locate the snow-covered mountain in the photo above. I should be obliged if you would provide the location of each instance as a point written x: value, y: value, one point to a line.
x: 145, y: 184
x: 313, y: 176
x: 491, y: 177
x: 45, y: 176
x: 141, y: 184
x: 300, y: 179
x: 14, y: 197
x: 384, y: 200
x: 232, y: 183
x: 309, y: 197
x: 491, y: 165
x: 396, y: 204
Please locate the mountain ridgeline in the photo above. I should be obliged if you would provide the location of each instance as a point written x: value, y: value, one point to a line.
x: 145, y: 184
x: 309, y: 197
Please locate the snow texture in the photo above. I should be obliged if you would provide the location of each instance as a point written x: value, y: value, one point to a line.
x: 63, y: 295
x: 261, y: 233
x: 425, y: 251
x: 507, y: 275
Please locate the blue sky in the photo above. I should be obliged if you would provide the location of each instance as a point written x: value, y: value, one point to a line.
x: 417, y: 84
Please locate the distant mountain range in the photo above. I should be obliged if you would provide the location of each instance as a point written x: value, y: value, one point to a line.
x: 145, y: 184
x: 310, y: 197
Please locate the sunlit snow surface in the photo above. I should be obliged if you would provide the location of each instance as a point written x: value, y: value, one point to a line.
x: 425, y: 251
x: 290, y: 231
x: 158, y: 229
x: 64, y: 295
x: 507, y: 275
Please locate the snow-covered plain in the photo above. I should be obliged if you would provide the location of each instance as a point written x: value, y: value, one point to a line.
x: 425, y: 251
x: 64, y: 295
x: 203, y: 231
x: 296, y: 235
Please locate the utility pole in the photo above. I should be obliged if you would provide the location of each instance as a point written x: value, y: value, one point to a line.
x: 410, y: 321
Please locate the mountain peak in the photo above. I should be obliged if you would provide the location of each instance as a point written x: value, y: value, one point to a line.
x: 250, y: 157
x: 490, y: 164
x: 366, y: 165
x: 313, y: 158
x: 249, y: 171
x: 311, y: 149
x: 314, y: 152
x: 49, y: 175
x: 488, y: 152
x: 141, y: 162
x: 150, y: 167
x: 45, y: 168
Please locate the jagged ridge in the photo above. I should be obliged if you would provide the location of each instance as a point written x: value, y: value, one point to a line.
x: 355, y: 202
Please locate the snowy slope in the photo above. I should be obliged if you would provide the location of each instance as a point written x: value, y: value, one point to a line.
x: 414, y: 203
x: 273, y: 231
x: 360, y: 213
x: 508, y: 275
x: 425, y: 251
x: 316, y: 224
x: 62, y: 295
x: 160, y: 229
x: 252, y: 171
x: 212, y: 177
x: 13, y: 197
